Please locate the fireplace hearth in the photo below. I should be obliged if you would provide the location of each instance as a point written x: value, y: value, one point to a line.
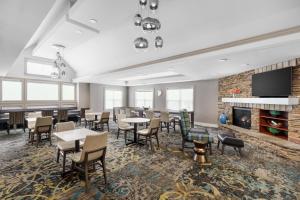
x: 241, y: 117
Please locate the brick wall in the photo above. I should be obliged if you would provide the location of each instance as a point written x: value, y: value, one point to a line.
x: 244, y: 83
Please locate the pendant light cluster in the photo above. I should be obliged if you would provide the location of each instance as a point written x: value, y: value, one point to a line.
x: 148, y: 24
x: 59, y: 64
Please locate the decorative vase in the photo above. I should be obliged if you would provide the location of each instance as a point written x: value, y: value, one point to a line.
x: 223, y: 118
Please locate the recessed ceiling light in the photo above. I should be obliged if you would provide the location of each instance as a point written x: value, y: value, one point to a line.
x: 223, y: 60
x: 79, y: 32
x: 93, y: 21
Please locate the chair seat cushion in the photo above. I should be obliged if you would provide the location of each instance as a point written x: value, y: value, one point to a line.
x: 126, y: 128
x: 228, y: 139
x: 143, y: 132
x: 199, y: 136
x: 76, y: 157
x: 65, y: 146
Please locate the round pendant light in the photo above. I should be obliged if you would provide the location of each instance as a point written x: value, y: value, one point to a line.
x: 143, y: 3
x: 153, y: 4
x: 138, y: 20
x: 141, y: 43
x: 159, y: 42
x: 150, y: 24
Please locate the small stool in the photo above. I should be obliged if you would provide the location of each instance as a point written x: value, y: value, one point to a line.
x: 200, y: 152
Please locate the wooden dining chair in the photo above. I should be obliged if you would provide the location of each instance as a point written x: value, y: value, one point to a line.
x: 123, y: 126
x: 16, y: 119
x: 43, y: 126
x: 64, y: 148
x: 89, y: 119
x: 150, y: 132
x: 47, y: 113
x: 94, y: 150
x: 62, y: 116
x: 166, y: 121
x: 104, y: 120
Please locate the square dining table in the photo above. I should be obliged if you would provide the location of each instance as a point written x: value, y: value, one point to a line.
x: 75, y: 135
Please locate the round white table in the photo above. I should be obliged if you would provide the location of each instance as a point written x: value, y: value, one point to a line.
x: 135, y: 121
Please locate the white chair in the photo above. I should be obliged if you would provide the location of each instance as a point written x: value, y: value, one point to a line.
x: 123, y: 126
x: 94, y: 150
x: 89, y: 119
x: 64, y: 148
x: 150, y: 132
x: 166, y: 120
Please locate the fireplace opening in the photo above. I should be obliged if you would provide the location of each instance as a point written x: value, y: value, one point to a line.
x: 241, y: 117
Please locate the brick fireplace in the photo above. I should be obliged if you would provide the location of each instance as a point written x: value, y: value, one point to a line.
x: 243, y: 81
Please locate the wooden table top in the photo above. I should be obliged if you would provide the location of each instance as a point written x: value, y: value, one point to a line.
x: 76, y: 134
x: 136, y: 120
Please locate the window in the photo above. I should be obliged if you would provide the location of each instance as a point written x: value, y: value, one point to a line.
x: 68, y: 92
x: 41, y: 69
x: 42, y: 91
x: 178, y: 99
x: 11, y: 90
x: 113, y: 98
x: 144, y: 99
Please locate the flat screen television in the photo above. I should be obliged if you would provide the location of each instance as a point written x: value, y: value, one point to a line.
x: 276, y: 83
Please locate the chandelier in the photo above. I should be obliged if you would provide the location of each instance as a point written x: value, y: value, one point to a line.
x: 59, y: 69
x: 148, y: 24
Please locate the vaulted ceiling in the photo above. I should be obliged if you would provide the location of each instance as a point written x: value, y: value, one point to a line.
x: 18, y: 22
x: 197, y: 34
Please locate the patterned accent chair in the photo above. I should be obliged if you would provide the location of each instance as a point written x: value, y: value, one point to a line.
x: 190, y: 134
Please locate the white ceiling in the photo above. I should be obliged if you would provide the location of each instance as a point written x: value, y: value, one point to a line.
x: 109, y: 56
x: 18, y: 22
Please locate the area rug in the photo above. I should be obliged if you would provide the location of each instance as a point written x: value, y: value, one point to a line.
x: 134, y: 172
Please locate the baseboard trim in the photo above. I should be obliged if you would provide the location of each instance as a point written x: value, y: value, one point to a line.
x: 211, y: 125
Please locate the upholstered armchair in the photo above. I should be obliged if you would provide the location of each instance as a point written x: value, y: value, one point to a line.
x: 190, y: 134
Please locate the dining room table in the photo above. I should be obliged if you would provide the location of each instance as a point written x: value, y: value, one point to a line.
x: 74, y: 135
x: 135, y: 121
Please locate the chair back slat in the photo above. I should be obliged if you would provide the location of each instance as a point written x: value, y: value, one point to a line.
x: 65, y: 126
x: 154, y: 125
x: 16, y: 118
x: 105, y: 117
x: 149, y: 114
x: 62, y: 115
x: 93, y: 143
x: 165, y: 116
x: 47, y: 113
x: 43, y: 124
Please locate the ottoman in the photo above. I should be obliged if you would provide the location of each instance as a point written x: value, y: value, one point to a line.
x: 230, y: 140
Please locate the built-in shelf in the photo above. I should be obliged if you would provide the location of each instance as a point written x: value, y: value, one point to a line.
x: 276, y: 101
x: 267, y: 121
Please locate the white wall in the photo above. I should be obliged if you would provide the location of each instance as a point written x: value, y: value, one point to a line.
x: 83, y: 95
x: 205, y: 98
x: 97, y: 92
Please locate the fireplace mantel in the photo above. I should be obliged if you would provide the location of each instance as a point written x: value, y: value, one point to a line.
x: 272, y: 101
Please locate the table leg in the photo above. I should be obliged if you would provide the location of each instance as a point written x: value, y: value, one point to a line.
x: 135, y: 133
x: 77, y: 146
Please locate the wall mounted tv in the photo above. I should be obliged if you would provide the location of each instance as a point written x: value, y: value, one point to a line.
x: 276, y: 83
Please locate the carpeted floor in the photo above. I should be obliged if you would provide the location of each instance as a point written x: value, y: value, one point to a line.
x: 134, y: 172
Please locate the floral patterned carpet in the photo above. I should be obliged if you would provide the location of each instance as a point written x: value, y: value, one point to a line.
x: 134, y: 172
